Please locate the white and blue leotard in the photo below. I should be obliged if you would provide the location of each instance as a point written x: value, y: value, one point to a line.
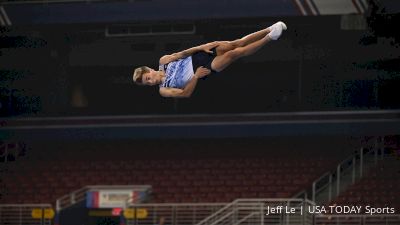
x: 177, y: 73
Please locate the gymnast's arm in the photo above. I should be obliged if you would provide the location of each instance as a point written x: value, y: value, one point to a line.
x: 187, y: 91
x: 180, y: 93
x: 185, y: 53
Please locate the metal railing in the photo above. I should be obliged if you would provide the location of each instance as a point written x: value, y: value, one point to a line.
x: 352, y: 167
x: 343, y: 167
x: 257, y: 211
x: 174, y: 213
x: 22, y: 214
x: 325, y: 181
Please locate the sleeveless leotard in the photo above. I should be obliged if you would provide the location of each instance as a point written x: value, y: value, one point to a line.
x: 177, y: 73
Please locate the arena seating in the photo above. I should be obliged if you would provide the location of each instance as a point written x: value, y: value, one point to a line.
x: 197, y: 171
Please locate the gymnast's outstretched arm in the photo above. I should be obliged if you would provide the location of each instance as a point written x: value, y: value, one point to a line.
x: 185, y: 53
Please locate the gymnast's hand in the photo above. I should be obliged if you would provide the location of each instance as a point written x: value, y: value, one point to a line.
x: 207, y: 47
x: 202, y: 72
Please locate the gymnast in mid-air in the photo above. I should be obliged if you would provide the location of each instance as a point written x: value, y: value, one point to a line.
x: 179, y: 72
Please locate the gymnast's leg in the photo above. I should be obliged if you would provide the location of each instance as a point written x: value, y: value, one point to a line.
x: 225, y: 46
x: 222, y: 61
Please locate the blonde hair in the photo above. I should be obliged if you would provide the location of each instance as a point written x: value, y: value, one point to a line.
x: 138, y: 73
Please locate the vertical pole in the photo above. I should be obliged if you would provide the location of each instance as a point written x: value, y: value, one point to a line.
x: 313, y: 191
x: 72, y: 198
x: 58, y: 205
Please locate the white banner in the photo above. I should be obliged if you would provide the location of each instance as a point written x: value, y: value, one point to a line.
x: 114, y: 198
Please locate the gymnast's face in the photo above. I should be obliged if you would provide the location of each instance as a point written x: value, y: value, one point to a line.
x: 151, y: 78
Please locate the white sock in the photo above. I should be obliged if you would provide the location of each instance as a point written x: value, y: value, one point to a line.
x: 276, y: 31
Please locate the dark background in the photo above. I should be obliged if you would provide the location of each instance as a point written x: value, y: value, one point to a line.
x: 58, y: 69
